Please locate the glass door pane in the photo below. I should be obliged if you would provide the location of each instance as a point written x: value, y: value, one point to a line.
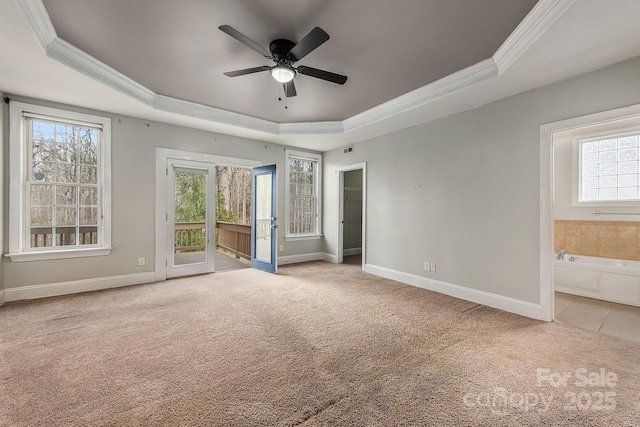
x: 190, y: 217
x: 264, y: 219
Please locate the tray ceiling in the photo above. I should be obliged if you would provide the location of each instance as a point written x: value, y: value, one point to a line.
x: 386, y: 48
x: 408, y: 61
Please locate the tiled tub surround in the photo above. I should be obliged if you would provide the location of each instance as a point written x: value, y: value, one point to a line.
x: 601, y: 260
x: 608, y: 239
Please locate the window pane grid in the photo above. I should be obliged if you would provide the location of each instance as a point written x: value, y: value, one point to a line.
x: 62, y: 185
x: 610, y: 168
x: 301, y: 196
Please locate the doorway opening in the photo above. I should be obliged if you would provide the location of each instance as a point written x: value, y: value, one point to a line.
x: 582, y: 228
x: 596, y: 218
x: 186, y: 242
x: 233, y: 218
x: 352, y: 215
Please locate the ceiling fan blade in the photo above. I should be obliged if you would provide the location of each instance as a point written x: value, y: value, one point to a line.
x: 321, y: 74
x: 245, y: 40
x: 246, y: 71
x: 289, y: 89
x: 310, y: 42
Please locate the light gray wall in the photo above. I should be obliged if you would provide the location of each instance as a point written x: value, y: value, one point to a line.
x: 463, y: 191
x: 352, y: 230
x: 133, y: 198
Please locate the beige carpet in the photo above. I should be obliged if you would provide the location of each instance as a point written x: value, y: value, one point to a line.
x: 315, y: 345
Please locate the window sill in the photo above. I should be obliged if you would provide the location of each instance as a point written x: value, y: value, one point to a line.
x: 608, y: 204
x: 294, y: 238
x: 60, y: 254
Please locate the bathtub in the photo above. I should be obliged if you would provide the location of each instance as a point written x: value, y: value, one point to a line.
x: 615, y: 280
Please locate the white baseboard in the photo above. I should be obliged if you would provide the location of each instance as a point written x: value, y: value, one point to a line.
x: 75, y: 286
x: 329, y: 258
x: 511, y: 305
x: 1, y: 297
x: 313, y: 256
x: 292, y: 259
x: 352, y: 251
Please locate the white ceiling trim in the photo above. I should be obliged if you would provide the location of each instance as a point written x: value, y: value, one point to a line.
x: 440, y: 88
x: 38, y: 19
x: 539, y: 19
x: 69, y: 55
x: 200, y: 111
x: 311, y: 128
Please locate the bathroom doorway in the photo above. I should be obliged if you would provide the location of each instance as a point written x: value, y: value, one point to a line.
x: 589, y: 240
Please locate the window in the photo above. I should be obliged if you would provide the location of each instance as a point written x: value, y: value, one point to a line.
x: 60, y: 187
x: 303, y: 201
x: 609, y: 169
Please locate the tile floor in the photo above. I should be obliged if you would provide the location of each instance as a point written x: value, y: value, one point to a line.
x: 622, y: 321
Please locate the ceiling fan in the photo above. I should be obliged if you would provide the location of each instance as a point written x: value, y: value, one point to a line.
x: 285, y: 53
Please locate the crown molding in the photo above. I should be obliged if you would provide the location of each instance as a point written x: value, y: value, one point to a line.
x: 543, y: 15
x: 69, y: 55
x: 452, y: 83
x: 311, y: 128
x: 205, y: 112
x: 39, y: 21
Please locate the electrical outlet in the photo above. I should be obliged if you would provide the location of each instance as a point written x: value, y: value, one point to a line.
x: 142, y: 261
x: 427, y: 266
x: 433, y: 266
x: 281, y: 248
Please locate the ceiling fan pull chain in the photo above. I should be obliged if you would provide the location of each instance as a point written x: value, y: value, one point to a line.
x: 280, y: 93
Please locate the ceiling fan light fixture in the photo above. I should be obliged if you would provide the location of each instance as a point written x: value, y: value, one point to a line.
x: 285, y: 53
x: 283, y: 73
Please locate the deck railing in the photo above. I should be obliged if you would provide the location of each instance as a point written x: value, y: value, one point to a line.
x: 189, y: 237
x: 235, y: 238
x: 42, y: 237
x: 263, y: 229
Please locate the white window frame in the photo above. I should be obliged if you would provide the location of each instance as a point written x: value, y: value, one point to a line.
x: 577, y: 167
x: 293, y: 154
x: 18, y: 209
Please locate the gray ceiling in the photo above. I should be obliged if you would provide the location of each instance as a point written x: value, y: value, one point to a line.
x: 163, y: 51
x: 386, y: 48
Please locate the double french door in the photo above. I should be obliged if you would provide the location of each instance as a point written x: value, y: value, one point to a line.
x: 191, y: 218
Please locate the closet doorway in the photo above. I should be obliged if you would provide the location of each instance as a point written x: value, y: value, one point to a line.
x: 352, y: 214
